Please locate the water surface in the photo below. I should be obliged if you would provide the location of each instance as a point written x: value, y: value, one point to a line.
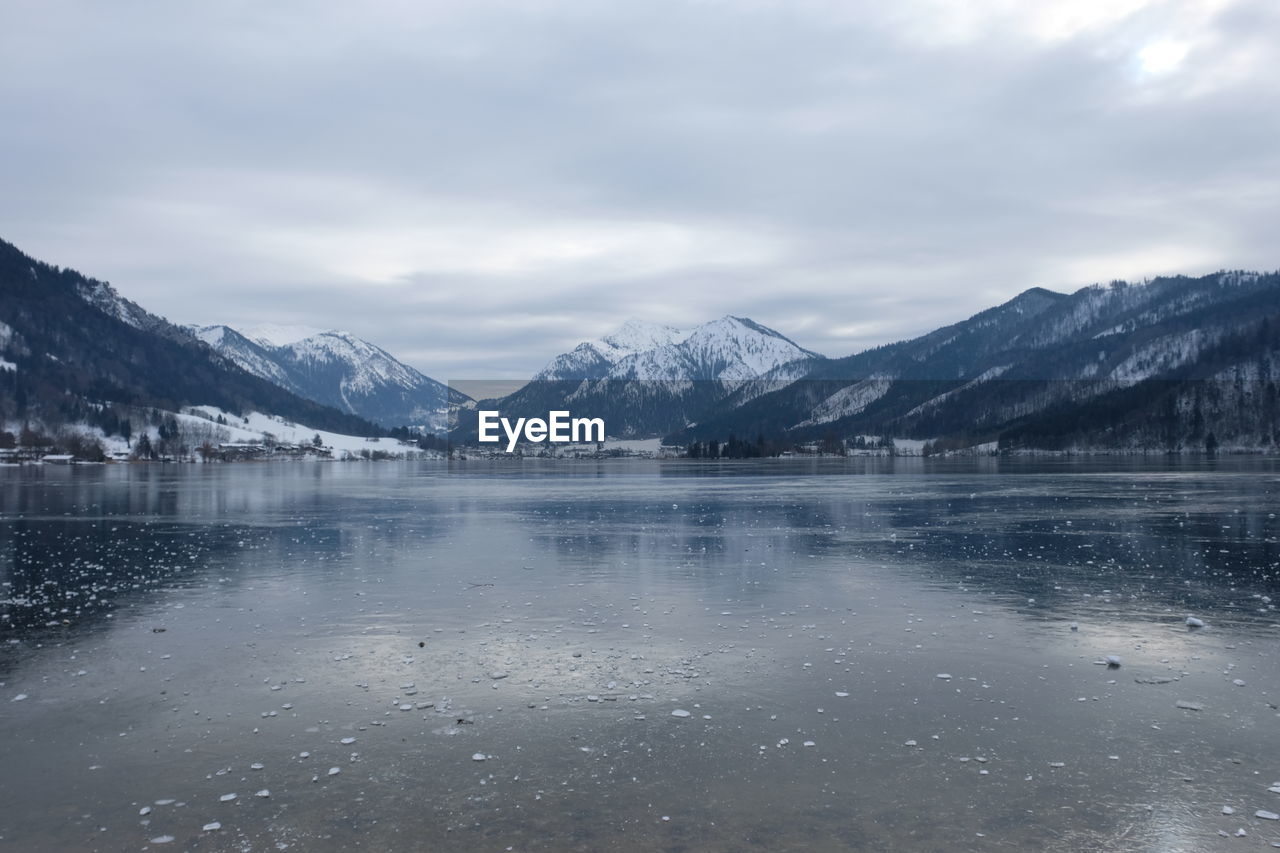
x: 873, y: 655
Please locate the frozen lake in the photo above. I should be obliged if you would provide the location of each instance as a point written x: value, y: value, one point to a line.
x: 873, y: 655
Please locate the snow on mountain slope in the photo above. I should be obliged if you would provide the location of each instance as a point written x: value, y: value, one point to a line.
x: 338, y: 369
x: 254, y: 427
x: 728, y: 349
x: 593, y: 359
x: 273, y: 335
x: 647, y: 379
x: 365, y: 367
x: 934, y: 402
x: 1094, y: 311
x: 373, y: 365
x: 770, y: 381
x: 735, y: 348
x: 848, y: 401
x: 1164, y: 354
x: 244, y: 352
x: 637, y: 336
x: 106, y: 299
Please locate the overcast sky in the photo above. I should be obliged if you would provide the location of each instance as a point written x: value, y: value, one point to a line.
x: 477, y: 185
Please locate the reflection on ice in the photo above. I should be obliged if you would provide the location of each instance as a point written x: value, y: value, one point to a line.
x: 740, y: 657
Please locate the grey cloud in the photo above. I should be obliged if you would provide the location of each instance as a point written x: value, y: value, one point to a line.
x: 477, y: 186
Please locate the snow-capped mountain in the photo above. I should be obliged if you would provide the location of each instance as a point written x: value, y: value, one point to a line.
x: 81, y: 353
x: 731, y: 349
x: 244, y: 352
x: 338, y: 369
x: 646, y: 379
x: 594, y: 359
x: 728, y: 349
x: 1127, y: 365
x: 274, y: 335
x: 1174, y: 364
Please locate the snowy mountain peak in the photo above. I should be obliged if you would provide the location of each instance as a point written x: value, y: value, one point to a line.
x: 338, y: 369
x: 273, y: 335
x: 730, y: 348
x: 214, y: 336
x: 593, y: 359
x: 639, y: 335
x: 730, y: 327
x: 248, y: 354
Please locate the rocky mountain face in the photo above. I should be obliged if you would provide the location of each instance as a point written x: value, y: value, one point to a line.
x: 74, y: 351
x: 729, y: 349
x: 595, y: 359
x: 1174, y: 363
x: 340, y: 370
x: 645, y: 379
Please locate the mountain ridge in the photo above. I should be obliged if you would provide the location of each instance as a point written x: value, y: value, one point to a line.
x: 338, y: 369
x: 710, y: 351
x: 650, y: 390
x: 1004, y: 368
x: 1176, y: 362
x: 79, y: 349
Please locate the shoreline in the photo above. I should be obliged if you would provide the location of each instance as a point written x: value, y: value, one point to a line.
x: 1025, y: 453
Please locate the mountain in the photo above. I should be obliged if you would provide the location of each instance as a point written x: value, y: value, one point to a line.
x: 247, y: 354
x: 731, y: 349
x: 594, y: 359
x: 728, y: 349
x: 275, y: 335
x: 339, y: 370
x: 1166, y: 364
x: 1176, y: 363
x: 645, y: 379
x: 76, y: 351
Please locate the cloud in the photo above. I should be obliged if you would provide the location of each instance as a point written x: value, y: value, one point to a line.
x: 476, y: 186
